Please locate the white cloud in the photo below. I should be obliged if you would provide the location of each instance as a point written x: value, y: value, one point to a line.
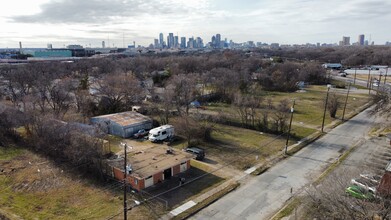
x: 284, y: 21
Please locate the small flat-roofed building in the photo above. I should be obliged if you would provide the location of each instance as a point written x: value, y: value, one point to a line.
x: 123, y: 124
x: 150, y: 166
x: 332, y: 66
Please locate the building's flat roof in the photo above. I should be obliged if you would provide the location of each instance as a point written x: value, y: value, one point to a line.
x: 125, y: 118
x: 152, y: 160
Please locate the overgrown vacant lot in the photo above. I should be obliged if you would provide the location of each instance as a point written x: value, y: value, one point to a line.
x: 32, y: 187
x: 242, y: 148
x: 308, y: 108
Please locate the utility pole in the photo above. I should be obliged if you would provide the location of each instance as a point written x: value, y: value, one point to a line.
x: 325, y: 105
x: 355, y: 74
x: 370, y: 86
x: 346, y: 101
x: 369, y: 76
x: 385, y: 77
x: 125, y: 191
x: 379, y: 81
x: 289, y: 129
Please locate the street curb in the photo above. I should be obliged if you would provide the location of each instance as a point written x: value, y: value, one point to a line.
x: 206, y: 202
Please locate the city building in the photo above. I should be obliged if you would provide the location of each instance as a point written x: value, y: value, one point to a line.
x: 123, y: 124
x: 190, y: 43
x: 218, y: 41
x: 170, y: 40
x: 52, y: 53
x: 199, y: 43
x: 183, y: 42
x: 361, y: 39
x: 161, y: 41
x: 345, y: 41
x: 156, y: 43
x: 213, y: 42
x: 74, y: 47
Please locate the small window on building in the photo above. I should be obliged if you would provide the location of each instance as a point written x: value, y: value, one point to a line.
x: 136, y: 181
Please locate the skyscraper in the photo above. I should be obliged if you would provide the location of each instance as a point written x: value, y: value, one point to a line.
x: 183, y: 42
x: 361, y: 39
x: 199, y: 43
x: 190, y: 43
x: 176, y: 42
x: 161, y: 40
x: 345, y: 41
x: 156, y: 43
x: 213, y: 42
x: 170, y: 40
x: 218, y: 41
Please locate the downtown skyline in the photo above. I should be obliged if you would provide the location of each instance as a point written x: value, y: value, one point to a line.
x: 119, y: 23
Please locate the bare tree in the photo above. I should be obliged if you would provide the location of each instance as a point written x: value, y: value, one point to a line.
x: 120, y: 92
x: 280, y: 116
x: 60, y: 97
x: 333, y: 104
x: 184, y: 91
x: 329, y: 201
x: 194, y: 128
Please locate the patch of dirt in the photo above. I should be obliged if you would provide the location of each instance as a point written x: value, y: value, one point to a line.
x: 31, y: 173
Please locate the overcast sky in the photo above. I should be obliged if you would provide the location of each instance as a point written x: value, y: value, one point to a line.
x: 120, y: 22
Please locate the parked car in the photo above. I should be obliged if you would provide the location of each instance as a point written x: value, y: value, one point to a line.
x: 359, y: 193
x: 198, y: 152
x: 343, y: 74
x: 365, y: 184
x: 372, y: 177
x: 140, y: 133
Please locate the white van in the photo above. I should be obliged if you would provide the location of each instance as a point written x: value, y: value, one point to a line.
x: 161, y: 133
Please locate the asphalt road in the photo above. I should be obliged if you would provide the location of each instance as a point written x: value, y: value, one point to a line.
x: 262, y: 196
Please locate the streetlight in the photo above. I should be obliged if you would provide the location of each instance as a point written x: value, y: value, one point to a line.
x: 368, y: 81
x: 289, y: 129
x: 325, y: 105
x: 346, y: 101
x: 125, y: 172
x: 385, y: 77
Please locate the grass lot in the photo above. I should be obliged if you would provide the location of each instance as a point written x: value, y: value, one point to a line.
x: 308, y: 108
x: 32, y: 187
x: 240, y: 147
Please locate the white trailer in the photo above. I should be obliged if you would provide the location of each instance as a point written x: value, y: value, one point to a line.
x: 161, y: 133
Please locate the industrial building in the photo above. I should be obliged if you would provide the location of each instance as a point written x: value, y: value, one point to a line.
x: 332, y: 66
x: 53, y: 53
x: 149, y: 166
x: 123, y: 124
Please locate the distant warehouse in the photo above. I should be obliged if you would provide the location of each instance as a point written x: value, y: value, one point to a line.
x: 53, y: 53
x: 332, y: 66
x: 123, y: 124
